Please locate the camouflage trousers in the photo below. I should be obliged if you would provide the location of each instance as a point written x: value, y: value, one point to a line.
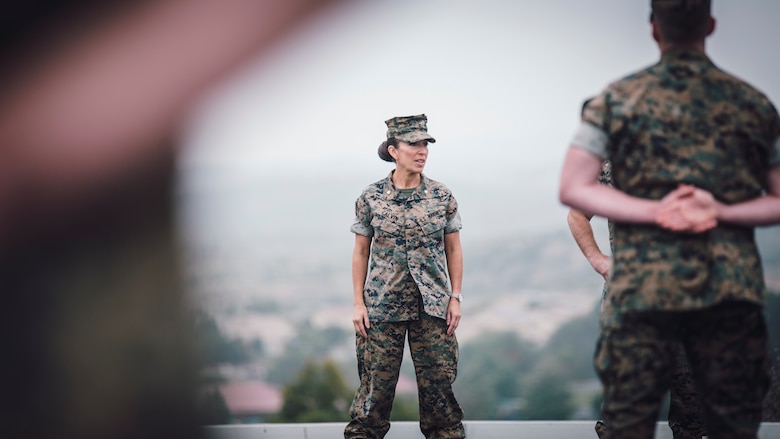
x: 435, y: 357
x: 726, y: 347
x: 686, y: 418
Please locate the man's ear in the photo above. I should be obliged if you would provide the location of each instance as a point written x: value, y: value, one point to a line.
x: 711, y: 26
x: 655, y: 32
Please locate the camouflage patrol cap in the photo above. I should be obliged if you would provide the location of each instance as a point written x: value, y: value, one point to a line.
x: 409, y: 129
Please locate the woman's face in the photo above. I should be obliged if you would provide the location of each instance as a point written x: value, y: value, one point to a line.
x: 410, y: 157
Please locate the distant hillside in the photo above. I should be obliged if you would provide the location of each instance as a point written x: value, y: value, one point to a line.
x: 547, y: 261
x: 553, y: 261
x: 244, y: 240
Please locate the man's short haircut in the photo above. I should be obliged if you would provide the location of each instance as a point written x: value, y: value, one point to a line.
x: 681, y: 21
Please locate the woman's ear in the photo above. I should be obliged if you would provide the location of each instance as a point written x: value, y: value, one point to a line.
x: 393, y: 151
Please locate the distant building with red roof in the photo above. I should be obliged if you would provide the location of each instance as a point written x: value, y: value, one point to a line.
x: 251, y: 401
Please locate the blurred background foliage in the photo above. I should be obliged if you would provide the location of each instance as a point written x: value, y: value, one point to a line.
x: 500, y: 375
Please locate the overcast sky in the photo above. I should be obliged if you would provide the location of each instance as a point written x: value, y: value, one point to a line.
x: 500, y: 81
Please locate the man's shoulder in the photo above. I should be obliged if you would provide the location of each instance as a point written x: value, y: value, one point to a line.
x: 746, y: 96
x: 632, y: 80
x: 749, y: 91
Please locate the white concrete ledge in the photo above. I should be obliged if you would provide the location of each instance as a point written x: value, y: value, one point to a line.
x: 411, y: 430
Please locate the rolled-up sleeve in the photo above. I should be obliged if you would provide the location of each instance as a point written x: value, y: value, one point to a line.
x: 362, y: 223
x: 453, y: 217
x: 591, y: 139
x: 591, y: 135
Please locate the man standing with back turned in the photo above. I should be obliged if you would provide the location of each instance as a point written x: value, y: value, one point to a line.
x: 695, y: 156
x: 685, y: 419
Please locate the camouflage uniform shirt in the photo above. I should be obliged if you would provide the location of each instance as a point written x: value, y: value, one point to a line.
x: 683, y: 120
x: 407, y: 248
x: 605, y: 178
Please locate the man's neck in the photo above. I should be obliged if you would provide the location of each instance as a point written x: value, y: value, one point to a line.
x: 697, y: 46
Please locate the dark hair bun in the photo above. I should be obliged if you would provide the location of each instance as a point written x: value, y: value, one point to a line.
x: 384, y: 154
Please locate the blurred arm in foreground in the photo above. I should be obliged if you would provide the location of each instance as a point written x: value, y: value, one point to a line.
x: 101, y: 96
x: 95, y: 329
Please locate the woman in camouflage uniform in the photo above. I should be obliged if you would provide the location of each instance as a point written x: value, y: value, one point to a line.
x: 407, y: 228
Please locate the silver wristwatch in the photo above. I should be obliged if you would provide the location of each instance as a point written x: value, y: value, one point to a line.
x: 459, y: 297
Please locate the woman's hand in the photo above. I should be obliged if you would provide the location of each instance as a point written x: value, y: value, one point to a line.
x: 360, y: 320
x: 453, y: 315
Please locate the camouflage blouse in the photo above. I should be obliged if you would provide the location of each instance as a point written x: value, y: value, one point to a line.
x: 605, y: 178
x: 683, y: 120
x: 407, y: 248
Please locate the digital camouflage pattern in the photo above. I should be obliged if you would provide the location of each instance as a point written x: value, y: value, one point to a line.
x: 409, y: 129
x: 685, y: 412
x: 726, y: 347
x: 407, y: 290
x: 686, y: 415
x: 605, y: 178
x: 408, y: 242
x: 684, y: 120
x: 435, y: 356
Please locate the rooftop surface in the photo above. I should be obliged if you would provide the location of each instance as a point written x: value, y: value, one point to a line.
x: 474, y: 430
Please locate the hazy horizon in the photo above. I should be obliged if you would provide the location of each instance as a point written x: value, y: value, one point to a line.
x: 501, y: 83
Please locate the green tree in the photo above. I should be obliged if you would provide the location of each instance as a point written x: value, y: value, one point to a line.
x: 318, y: 394
x: 310, y: 344
x: 572, y: 346
x: 488, y: 375
x: 214, y: 347
x: 405, y: 408
x: 548, y: 397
